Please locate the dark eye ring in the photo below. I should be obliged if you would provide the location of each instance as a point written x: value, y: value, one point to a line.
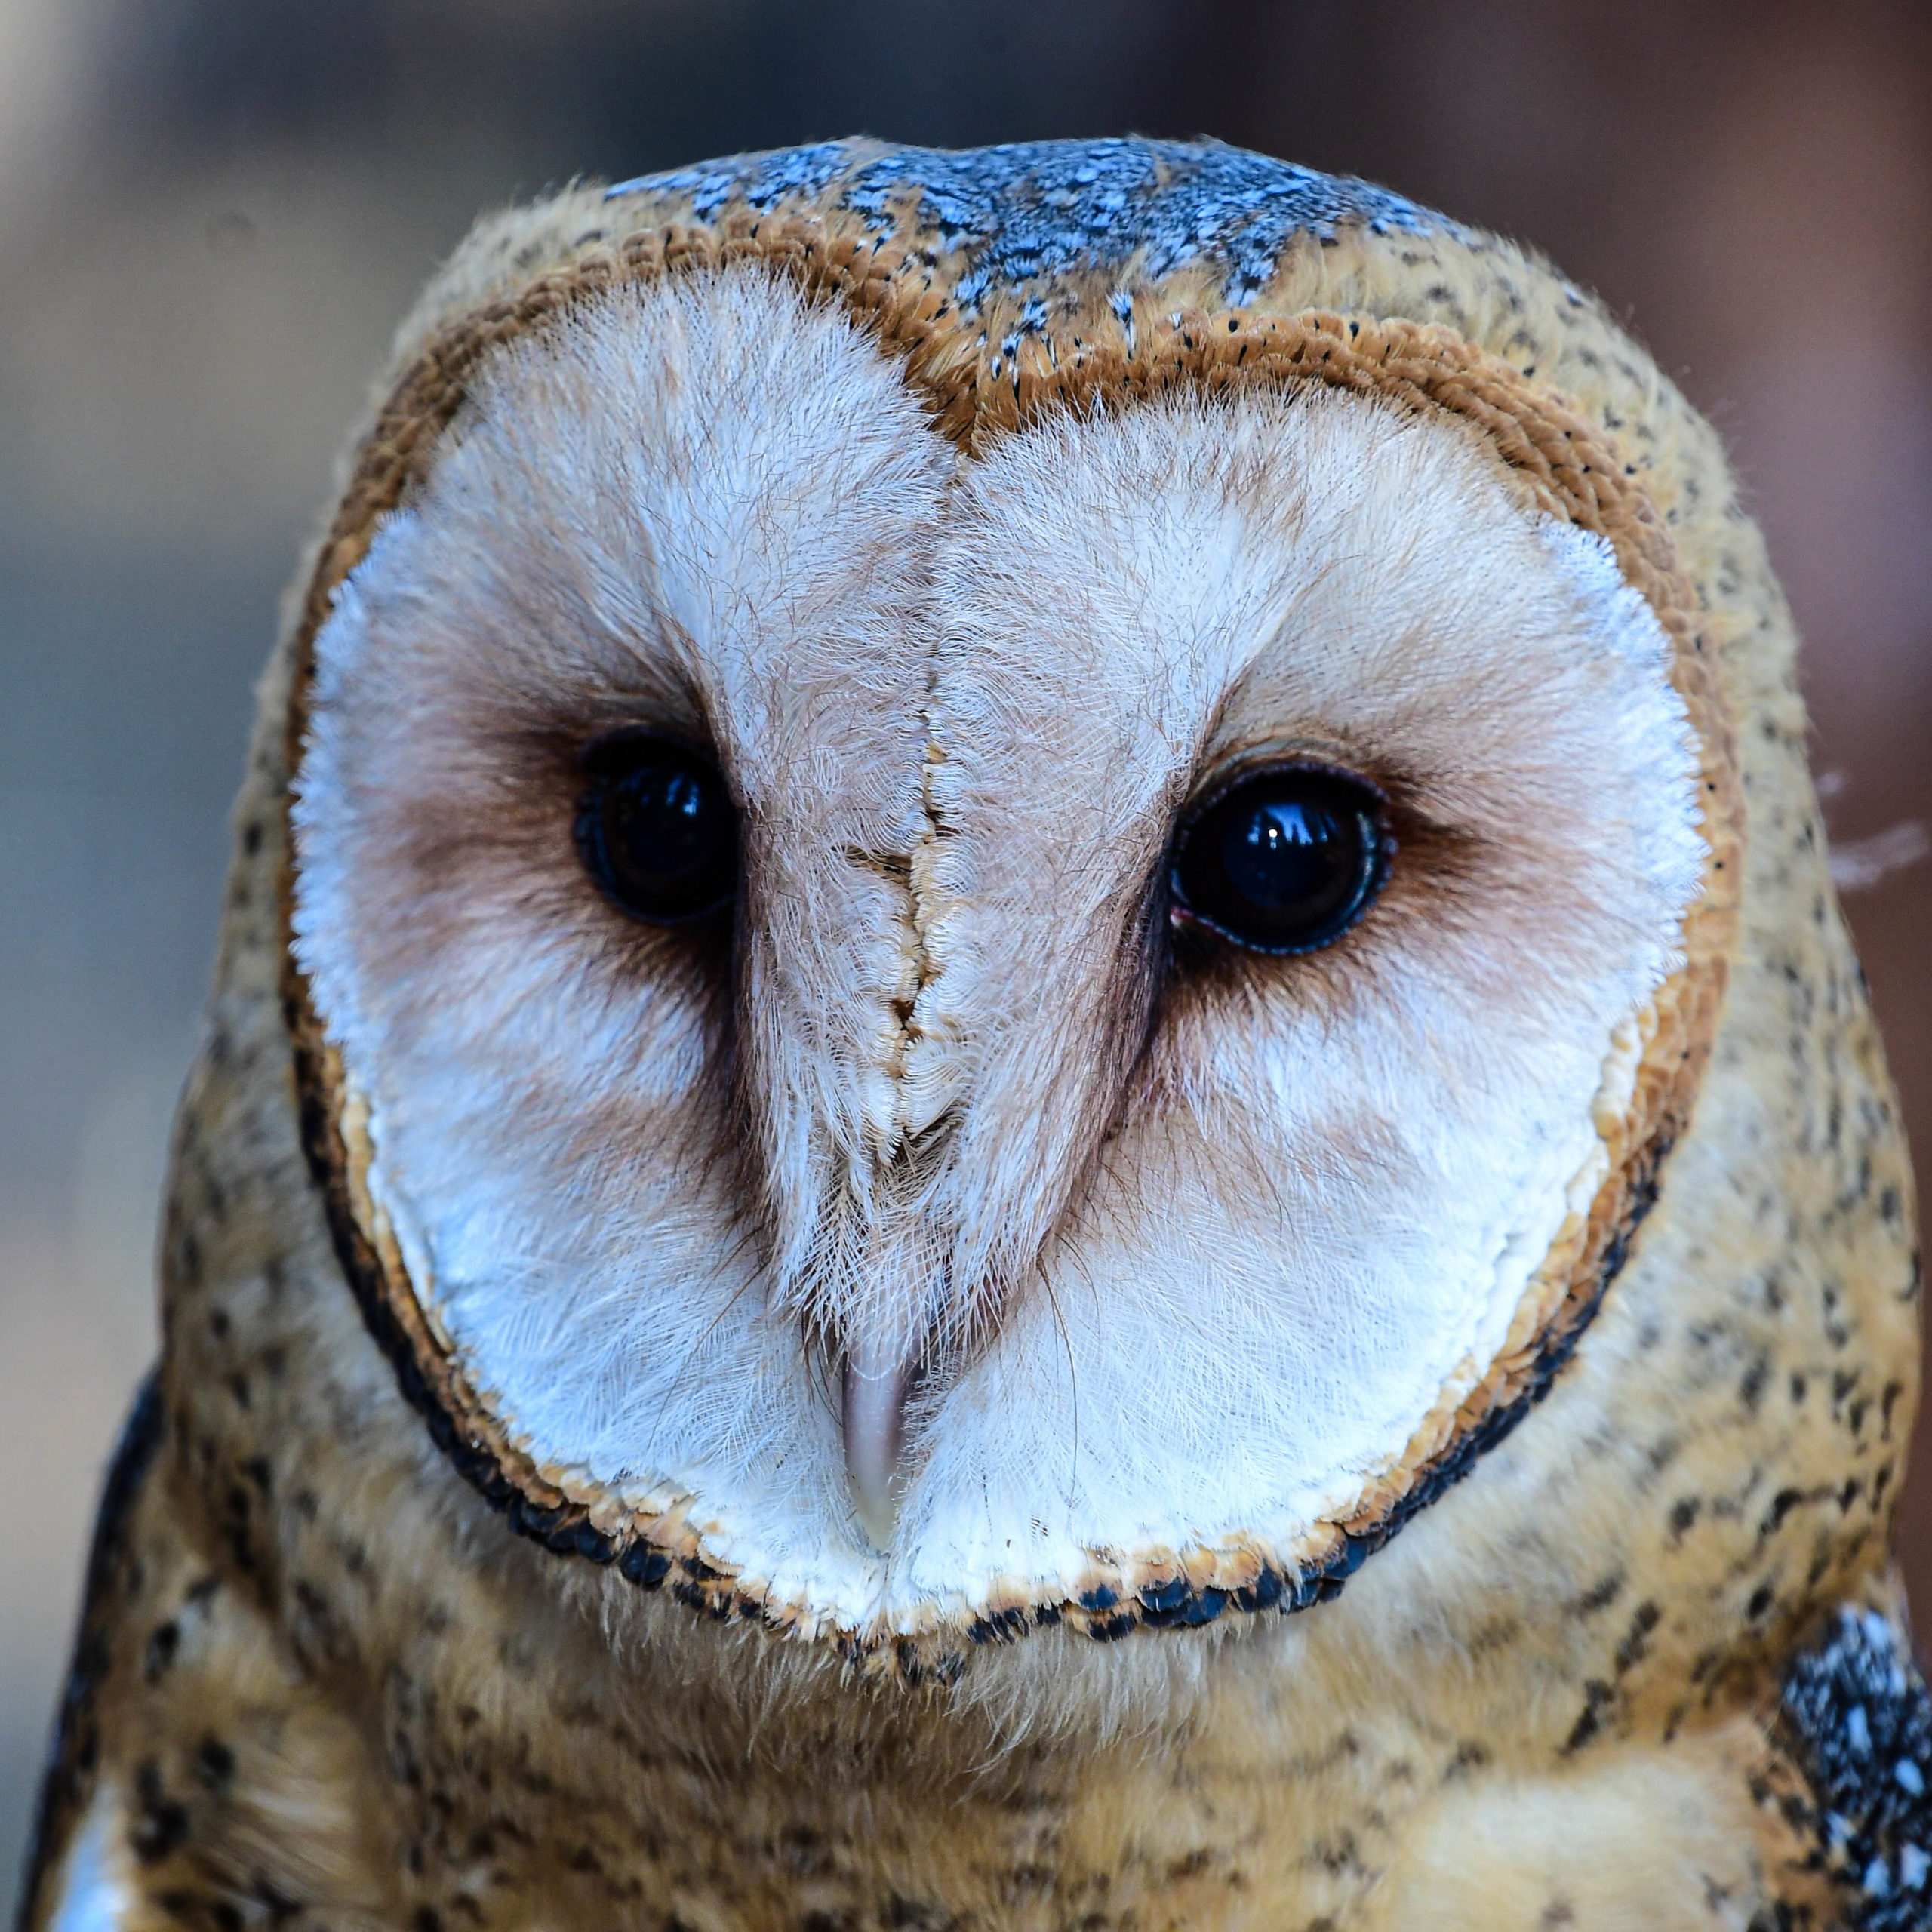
x: 1283, y: 859
x: 656, y: 828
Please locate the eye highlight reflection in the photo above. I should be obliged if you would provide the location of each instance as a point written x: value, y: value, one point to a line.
x: 1284, y: 860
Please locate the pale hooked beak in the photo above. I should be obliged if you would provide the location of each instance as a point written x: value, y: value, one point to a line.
x: 877, y: 1384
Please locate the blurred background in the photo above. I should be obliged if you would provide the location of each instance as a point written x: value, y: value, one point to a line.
x: 213, y: 212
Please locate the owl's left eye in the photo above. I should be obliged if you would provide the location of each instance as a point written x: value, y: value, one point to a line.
x: 656, y: 829
x: 1285, y: 860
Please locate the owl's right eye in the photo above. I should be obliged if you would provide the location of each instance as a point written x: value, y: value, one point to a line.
x: 657, y: 829
x: 1284, y: 860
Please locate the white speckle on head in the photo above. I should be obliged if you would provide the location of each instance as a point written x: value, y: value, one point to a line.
x: 94, y: 1894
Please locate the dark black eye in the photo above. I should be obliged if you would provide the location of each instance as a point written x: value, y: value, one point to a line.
x: 1285, y: 860
x: 656, y: 829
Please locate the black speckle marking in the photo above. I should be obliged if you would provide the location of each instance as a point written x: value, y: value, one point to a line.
x: 1598, y: 1697
x: 1264, y: 1592
x: 998, y: 1626
x: 160, y: 1824
x: 644, y: 1566
x: 1636, y: 1643
x: 158, y: 1657
x: 1600, y: 1595
x: 214, y: 1765
x: 905, y: 1914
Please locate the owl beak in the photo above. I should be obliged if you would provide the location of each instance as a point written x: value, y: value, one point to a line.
x: 876, y: 1386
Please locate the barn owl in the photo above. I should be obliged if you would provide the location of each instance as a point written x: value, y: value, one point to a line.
x: 1032, y: 1102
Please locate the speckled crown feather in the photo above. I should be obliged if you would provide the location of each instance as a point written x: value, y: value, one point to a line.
x: 995, y: 221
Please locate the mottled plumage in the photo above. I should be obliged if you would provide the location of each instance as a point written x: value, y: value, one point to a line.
x: 493, y: 1547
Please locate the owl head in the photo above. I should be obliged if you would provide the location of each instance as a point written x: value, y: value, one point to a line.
x: 1001, y: 897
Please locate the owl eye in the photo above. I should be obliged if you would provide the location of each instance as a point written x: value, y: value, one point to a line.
x: 656, y: 829
x: 1283, y: 861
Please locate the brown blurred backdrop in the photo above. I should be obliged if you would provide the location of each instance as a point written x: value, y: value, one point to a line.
x: 213, y: 212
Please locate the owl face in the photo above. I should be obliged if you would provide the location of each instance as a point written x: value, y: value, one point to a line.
x: 954, y: 1040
